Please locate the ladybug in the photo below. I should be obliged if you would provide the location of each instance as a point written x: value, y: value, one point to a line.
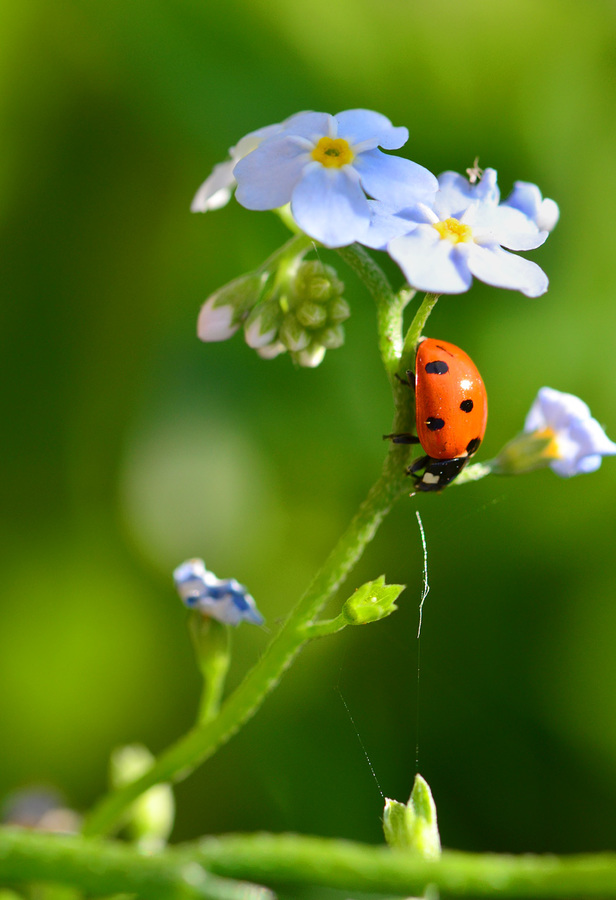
x: 451, y: 413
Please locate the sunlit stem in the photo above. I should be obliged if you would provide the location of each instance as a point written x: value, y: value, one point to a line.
x: 188, y: 752
x: 407, y: 359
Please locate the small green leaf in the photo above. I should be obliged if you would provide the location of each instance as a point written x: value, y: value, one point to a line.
x: 372, y: 601
x: 413, y: 826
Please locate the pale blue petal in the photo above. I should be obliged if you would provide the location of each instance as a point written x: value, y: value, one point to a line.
x: 555, y: 409
x: 506, y: 226
x: 361, y: 125
x: 330, y: 206
x: 394, y: 180
x: 502, y: 269
x: 267, y: 176
x: 430, y: 263
x: 385, y: 225
x: 456, y: 193
x: 311, y: 125
x: 527, y: 198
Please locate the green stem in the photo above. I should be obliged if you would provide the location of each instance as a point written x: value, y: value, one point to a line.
x: 204, y: 870
x: 106, y: 868
x: 407, y: 359
x: 389, y: 304
x: 294, y: 859
x: 181, y: 758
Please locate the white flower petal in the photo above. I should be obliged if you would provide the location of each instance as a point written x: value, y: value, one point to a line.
x: 330, y: 206
x: 430, y: 263
x: 216, y: 190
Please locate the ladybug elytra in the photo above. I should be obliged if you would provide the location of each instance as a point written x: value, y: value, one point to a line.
x: 451, y: 412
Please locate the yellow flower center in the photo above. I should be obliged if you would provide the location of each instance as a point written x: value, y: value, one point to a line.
x: 453, y: 230
x: 551, y: 449
x: 333, y: 153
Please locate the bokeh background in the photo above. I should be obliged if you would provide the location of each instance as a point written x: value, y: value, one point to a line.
x: 129, y: 446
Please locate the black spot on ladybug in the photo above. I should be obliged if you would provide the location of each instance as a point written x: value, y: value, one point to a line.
x: 466, y: 405
x: 435, y: 424
x: 438, y: 367
x: 473, y: 446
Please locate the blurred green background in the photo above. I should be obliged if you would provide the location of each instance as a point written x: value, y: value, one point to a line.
x: 130, y: 446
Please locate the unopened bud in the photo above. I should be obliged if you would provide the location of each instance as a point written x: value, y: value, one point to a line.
x: 261, y: 327
x: 293, y: 335
x: 413, y: 826
x: 223, y: 312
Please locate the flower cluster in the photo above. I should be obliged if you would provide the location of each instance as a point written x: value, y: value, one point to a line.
x: 226, y: 600
x: 341, y: 187
x: 301, y: 311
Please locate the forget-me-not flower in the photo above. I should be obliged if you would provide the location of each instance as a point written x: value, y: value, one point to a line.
x: 224, y: 599
x: 577, y: 441
x: 466, y: 232
x: 326, y: 167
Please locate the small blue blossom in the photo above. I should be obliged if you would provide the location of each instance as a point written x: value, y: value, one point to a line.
x: 465, y: 232
x: 224, y: 599
x: 325, y: 166
x: 577, y: 441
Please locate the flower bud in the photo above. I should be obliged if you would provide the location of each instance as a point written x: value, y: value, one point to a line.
x: 223, y: 312
x: 311, y: 357
x: 151, y: 815
x: 311, y: 315
x: 317, y: 282
x: 292, y: 335
x: 271, y: 351
x: 372, y: 601
x: 338, y: 310
x: 332, y: 338
x: 262, y: 325
x: 413, y: 826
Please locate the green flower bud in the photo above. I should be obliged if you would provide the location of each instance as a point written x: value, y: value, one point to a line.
x: 311, y: 315
x: 311, y: 357
x: 223, y: 312
x: 292, y: 334
x: 332, y: 338
x: 263, y: 323
x: 338, y: 310
x: 413, y: 826
x: 317, y: 282
x: 372, y: 601
x: 150, y: 817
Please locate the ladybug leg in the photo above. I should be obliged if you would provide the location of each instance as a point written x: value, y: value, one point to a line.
x: 420, y: 463
x: 403, y: 438
x: 409, y: 381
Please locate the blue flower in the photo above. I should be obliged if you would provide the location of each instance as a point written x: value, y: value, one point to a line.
x: 466, y: 232
x: 325, y: 166
x: 577, y: 442
x: 224, y: 599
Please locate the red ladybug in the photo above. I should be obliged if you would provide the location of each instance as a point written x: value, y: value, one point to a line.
x: 451, y: 413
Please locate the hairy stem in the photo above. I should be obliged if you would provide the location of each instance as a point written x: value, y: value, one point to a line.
x: 217, y: 867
